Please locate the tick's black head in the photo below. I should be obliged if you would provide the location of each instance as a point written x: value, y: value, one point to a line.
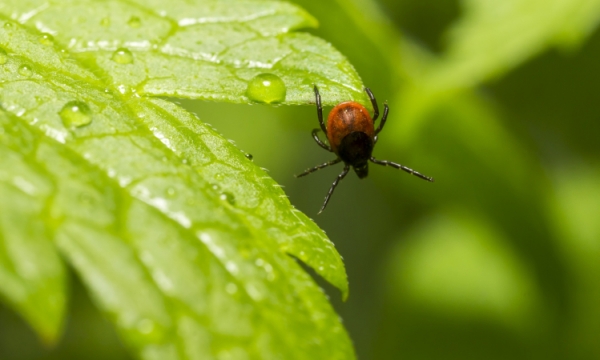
x: 362, y: 170
x: 355, y: 149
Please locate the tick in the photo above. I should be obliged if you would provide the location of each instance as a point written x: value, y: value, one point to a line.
x: 352, y: 137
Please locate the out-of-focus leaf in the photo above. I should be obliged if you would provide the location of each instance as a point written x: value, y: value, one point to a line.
x: 574, y: 213
x: 493, y: 37
x: 32, y: 277
x: 489, y: 282
x: 149, y: 206
x: 199, y: 49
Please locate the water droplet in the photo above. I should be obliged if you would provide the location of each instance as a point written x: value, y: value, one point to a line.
x: 216, y: 187
x: 170, y: 192
x: 47, y: 39
x: 227, y: 196
x: 122, y: 56
x: 219, y: 176
x: 3, y: 57
x: 249, y: 157
x: 134, y: 22
x: 266, y: 88
x: 105, y: 22
x: 75, y: 114
x: 85, y: 199
x: 25, y: 70
x: 145, y: 326
x: 8, y: 25
x: 253, y: 289
x: 231, y: 288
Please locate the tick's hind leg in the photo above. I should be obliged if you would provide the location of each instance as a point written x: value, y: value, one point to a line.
x: 401, y: 167
x: 318, y: 167
x: 334, y: 185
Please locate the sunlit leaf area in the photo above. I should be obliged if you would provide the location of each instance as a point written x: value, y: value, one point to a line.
x: 149, y: 208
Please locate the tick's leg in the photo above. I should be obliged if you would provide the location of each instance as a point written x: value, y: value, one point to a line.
x: 386, y: 110
x: 321, y: 144
x: 401, y: 167
x: 318, y: 167
x: 335, y: 183
x: 374, y: 103
x: 319, y: 109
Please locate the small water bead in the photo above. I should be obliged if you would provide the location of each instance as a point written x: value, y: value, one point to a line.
x: 266, y: 88
x: 145, y: 326
x: 227, y: 196
x: 249, y: 157
x: 25, y: 70
x: 47, y: 39
x: 231, y: 288
x: 85, y: 199
x: 134, y: 22
x: 3, y: 57
x: 122, y: 56
x: 75, y: 114
x: 105, y: 22
x: 171, y: 192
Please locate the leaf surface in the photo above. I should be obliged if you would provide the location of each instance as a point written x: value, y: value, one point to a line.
x: 180, y: 237
x: 199, y: 49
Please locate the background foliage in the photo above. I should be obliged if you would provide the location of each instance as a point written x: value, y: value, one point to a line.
x: 499, y: 257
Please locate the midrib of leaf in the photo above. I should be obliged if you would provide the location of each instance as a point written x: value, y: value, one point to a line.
x: 80, y: 145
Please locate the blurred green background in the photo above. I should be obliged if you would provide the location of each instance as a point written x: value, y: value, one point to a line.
x: 500, y: 257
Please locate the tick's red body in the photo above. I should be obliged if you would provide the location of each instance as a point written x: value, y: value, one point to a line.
x: 346, y: 118
x: 352, y: 136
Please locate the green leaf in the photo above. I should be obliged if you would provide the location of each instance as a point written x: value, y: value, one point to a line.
x: 198, y: 49
x: 490, y: 282
x: 182, y: 240
x: 32, y: 277
x: 494, y: 36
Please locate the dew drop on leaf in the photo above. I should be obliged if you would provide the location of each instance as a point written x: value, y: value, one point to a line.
x: 25, y: 70
x: 105, y: 22
x: 249, y: 157
x: 75, y: 114
x: 122, y: 56
x: 227, y: 196
x: 47, y: 39
x: 266, y: 88
x: 85, y: 199
x: 3, y: 57
x: 171, y: 192
x: 134, y: 22
x: 231, y: 288
x: 145, y: 326
x: 254, y: 290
